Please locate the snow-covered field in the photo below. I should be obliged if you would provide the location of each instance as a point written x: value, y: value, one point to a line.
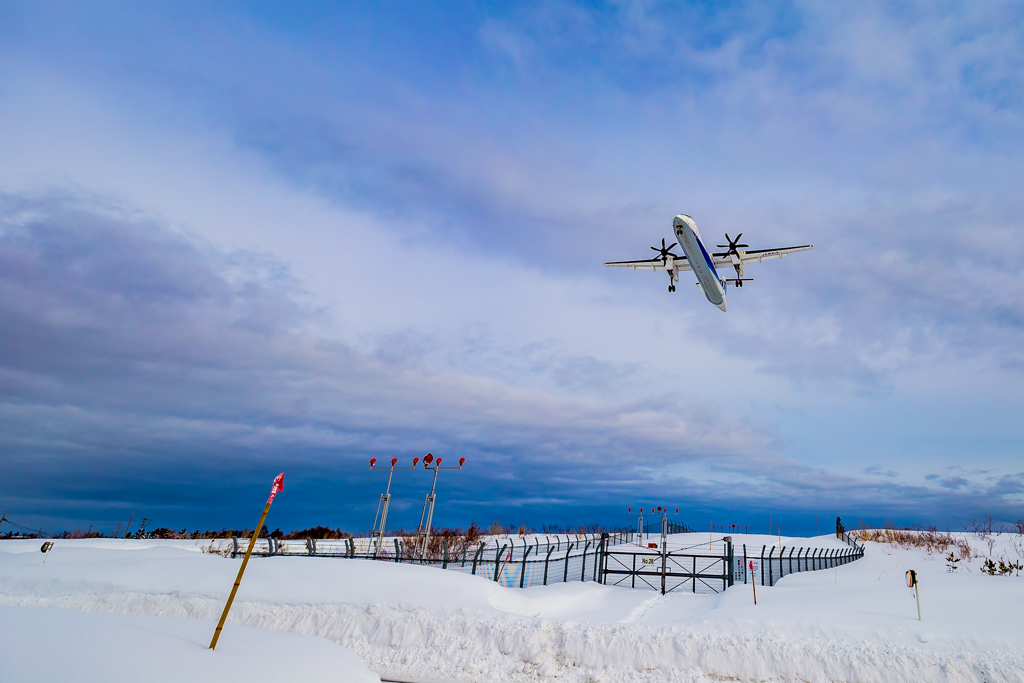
x: 854, y: 623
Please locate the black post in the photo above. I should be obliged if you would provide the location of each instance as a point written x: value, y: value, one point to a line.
x: 583, y: 567
x: 444, y: 555
x: 762, y: 565
x: 745, y: 564
x: 398, y: 552
x: 771, y: 579
x: 568, y: 549
x: 729, y: 563
x: 476, y: 556
x: 781, y: 570
x: 522, y: 573
x: 546, y: 561
x: 603, y: 559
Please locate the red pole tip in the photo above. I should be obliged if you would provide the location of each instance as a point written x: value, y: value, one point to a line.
x: 630, y: 509
x: 461, y: 460
x: 677, y: 511
x: 428, y: 458
x: 372, y: 461
x: 415, y: 461
x: 439, y: 462
x: 394, y: 461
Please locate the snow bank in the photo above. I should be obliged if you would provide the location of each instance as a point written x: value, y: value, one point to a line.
x: 61, y: 645
x: 857, y: 622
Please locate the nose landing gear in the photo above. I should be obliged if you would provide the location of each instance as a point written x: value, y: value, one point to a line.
x: 671, y: 288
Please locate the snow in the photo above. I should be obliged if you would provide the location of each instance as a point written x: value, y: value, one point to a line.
x: 857, y: 622
x: 62, y: 645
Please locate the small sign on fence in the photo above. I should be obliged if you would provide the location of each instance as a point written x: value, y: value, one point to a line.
x: 648, y: 560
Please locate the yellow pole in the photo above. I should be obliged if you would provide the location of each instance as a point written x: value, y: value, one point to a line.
x: 278, y: 485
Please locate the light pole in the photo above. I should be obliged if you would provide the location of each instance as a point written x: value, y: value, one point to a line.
x: 429, y: 463
x: 639, y: 526
x: 385, y: 500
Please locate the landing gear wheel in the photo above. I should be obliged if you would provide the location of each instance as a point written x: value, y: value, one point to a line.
x: 671, y: 288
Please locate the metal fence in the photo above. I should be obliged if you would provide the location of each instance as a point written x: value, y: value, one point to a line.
x: 774, y: 563
x: 714, y: 566
x: 509, y: 561
x: 709, y: 567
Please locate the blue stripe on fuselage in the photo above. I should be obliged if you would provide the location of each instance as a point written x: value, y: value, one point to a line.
x: 707, y: 258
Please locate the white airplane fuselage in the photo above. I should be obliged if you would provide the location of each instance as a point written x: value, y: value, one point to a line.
x: 699, y: 259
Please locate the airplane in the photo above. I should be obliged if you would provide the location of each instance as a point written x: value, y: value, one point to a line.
x: 705, y: 265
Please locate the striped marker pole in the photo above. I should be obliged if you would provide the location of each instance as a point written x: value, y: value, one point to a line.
x: 278, y: 486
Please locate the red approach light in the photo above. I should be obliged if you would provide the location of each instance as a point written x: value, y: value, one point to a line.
x: 394, y: 461
x: 659, y: 508
x: 373, y: 461
x: 677, y: 511
x: 428, y: 458
x: 415, y: 461
x: 631, y: 510
x: 439, y: 462
x: 461, y: 460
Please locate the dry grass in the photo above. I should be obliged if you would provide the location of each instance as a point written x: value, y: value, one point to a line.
x: 929, y: 539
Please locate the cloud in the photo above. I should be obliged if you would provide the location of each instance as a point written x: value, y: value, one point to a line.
x: 446, y: 289
x: 878, y: 471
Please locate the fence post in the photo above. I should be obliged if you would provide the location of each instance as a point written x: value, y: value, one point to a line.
x: 522, y: 574
x: 583, y: 567
x: 745, y: 572
x: 762, y: 565
x: 546, y: 561
x: 729, y: 563
x: 476, y: 556
x: 444, y: 553
x: 398, y: 552
x: 771, y: 578
x: 601, y: 561
x: 568, y: 549
x: 782, y: 571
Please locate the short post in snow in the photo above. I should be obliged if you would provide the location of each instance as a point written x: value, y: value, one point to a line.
x: 46, y: 547
x: 125, y: 539
x: 277, y: 486
x: 429, y: 463
x: 912, y: 582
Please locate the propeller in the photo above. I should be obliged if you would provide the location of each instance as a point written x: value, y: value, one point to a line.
x: 665, y: 252
x: 732, y: 246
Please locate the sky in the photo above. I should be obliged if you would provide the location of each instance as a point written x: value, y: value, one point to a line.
x: 243, y: 238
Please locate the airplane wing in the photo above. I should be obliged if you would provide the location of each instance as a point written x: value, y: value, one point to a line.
x: 679, y: 263
x: 758, y: 255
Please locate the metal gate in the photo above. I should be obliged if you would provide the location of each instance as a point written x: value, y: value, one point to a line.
x: 692, y: 570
